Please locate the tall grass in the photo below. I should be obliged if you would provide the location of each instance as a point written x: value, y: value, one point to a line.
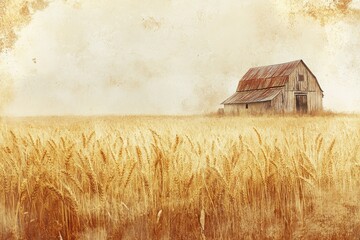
x: 180, y: 178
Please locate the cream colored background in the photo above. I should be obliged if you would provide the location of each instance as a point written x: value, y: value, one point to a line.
x: 173, y: 57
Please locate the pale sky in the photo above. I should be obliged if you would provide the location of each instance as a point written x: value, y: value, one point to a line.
x: 170, y: 56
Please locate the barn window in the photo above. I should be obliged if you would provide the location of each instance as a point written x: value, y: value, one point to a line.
x: 247, y: 106
x: 301, y: 77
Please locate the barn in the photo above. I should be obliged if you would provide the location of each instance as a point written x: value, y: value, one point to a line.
x: 286, y: 87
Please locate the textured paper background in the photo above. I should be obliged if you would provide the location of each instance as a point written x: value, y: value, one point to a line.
x: 167, y: 57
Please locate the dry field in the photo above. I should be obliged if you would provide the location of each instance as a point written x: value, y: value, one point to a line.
x: 180, y: 178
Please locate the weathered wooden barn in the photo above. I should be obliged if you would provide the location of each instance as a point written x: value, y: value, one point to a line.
x: 286, y: 87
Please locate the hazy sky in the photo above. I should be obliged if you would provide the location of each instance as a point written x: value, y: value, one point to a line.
x: 172, y: 56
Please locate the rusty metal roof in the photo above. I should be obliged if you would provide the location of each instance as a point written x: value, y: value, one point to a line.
x: 267, y: 76
x: 252, y: 96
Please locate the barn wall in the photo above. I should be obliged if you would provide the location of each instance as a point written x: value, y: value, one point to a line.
x: 309, y: 86
x: 278, y: 103
x: 289, y: 101
x: 252, y: 108
x: 314, y: 101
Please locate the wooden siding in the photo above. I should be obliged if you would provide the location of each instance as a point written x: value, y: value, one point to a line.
x: 252, y: 108
x: 309, y: 83
x: 277, y: 104
x: 309, y: 87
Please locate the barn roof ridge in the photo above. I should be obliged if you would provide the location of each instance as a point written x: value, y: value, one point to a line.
x: 277, y: 64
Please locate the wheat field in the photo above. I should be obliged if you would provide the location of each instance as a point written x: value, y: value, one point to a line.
x: 191, y: 177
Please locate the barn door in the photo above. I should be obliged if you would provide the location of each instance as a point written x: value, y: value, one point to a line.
x: 301, y: 103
